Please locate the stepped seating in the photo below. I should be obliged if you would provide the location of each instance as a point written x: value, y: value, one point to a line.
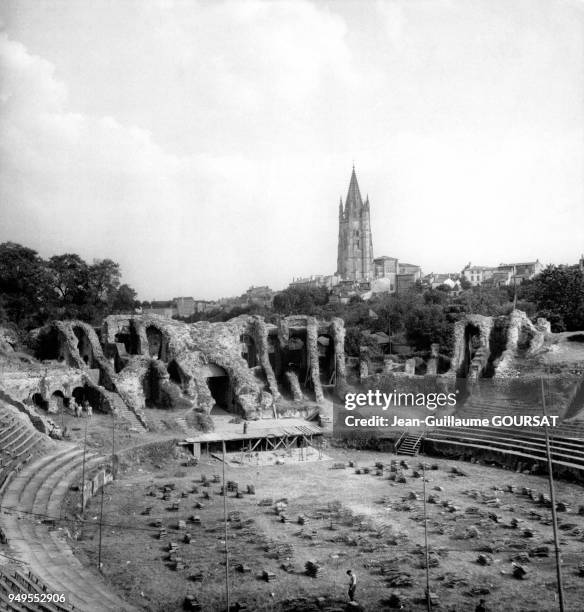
x: 513, y: 441
x: 566, y: 439
x: 39, y: 489
x: 19, y: 442
x: 17, y: 581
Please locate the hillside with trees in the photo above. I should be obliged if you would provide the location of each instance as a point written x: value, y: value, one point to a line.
x: 34, y: 290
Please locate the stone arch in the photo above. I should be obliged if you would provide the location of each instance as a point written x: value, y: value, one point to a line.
x: 220, y: 387
x: 326, y: 357
x: 497, y: 344
x: 249, y: 350
x: 156, y: 342
x: 88, y: 393
x: 526, y: 336
x: 84, y: 346
x: 57, y: 401
x: 39, y: 401
x: 129, y: 338
x: 472, y: 343
x: 177, y: 375
x: 297, y: 355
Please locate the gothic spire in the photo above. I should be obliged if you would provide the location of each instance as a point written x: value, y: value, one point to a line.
x: 354, y: 201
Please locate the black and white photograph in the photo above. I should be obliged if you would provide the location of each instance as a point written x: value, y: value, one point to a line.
x: 291, y: 305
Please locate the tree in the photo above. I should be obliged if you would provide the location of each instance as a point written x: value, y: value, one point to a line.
x: 558, y: 294
x: 69, y: 276
x: 23, y: 285
x: 33, y: 290
x: 124, y: 300
x: 301, y: 300
x: 428, y: 324
x: 104, y: 282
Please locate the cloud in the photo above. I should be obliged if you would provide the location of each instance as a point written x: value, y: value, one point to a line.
x: 187, y: 222
x: 204, y: 145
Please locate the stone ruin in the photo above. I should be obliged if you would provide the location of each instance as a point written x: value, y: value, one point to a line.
x: 245, y: 366
x: 491, y: 346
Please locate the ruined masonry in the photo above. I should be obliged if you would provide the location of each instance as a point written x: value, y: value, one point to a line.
x: 244, y: 366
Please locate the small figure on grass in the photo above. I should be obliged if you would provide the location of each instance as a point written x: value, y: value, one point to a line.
x: 352, y: 584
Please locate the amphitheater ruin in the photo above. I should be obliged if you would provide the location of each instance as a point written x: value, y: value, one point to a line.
x: 126, y: 506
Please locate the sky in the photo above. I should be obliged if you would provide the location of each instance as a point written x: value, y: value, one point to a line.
x: 204, y: 146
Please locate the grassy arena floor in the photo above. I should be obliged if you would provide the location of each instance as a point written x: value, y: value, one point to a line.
x: 361, y: 521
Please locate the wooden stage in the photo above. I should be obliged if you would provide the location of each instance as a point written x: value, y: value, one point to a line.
x: 266, y: 434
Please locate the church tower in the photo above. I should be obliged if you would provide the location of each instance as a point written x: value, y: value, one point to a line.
x: 355, y: 254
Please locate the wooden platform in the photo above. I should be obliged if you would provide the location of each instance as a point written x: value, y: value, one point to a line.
x: 269, y: 433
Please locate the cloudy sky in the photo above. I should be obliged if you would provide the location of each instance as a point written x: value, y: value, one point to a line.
x: 205, y: 145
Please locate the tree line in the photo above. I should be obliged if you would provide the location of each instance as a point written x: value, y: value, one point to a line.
x: 34, y: 290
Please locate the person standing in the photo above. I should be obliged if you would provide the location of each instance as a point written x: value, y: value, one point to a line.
x: 352, y: 584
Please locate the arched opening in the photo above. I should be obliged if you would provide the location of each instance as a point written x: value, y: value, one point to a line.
x: 155, y: 342
x: 274, y: 355
x: 39, y: 402
x: 472, y: 343
x: 326, y: 358
x: 177, y: 375
x: 297, y: 359
x: 49, y: 346
x: 524, y: 341
x: 497, y: 344
x: 84, y: 346
x: 57, y: 402
x: 129, y: 338
x: 220, y: 388
x: 576, y: 338
x: 89, y: 394
x: 249, y: 351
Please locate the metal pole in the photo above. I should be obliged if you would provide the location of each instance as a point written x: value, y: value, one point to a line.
x: 225, y: 522
x: 100, y: 521
x: 428, y: 600
x: 83, y: 472
x: 113, y: 444
x: 553, y: 502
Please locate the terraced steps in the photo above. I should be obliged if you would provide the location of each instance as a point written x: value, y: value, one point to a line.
x: 19, y: 441
x: 38, y: 492
x: 13, y: 580
x: 513, y: 442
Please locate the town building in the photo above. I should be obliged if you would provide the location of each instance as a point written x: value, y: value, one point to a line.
x: 521, y: 271
x: 503, y: 275
x: 319, y: 280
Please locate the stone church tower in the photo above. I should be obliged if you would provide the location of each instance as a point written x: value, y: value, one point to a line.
x: 355, y: 255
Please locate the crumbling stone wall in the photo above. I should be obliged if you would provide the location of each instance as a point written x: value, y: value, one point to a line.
x: 172, y: 368
x: 337, y: 328
x: 519, y: 322
x: 260, y: 336
x: 312, y: 350
x: 479, y: 362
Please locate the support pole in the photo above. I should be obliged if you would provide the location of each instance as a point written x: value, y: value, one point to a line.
x: 113, y: 444
x: 100, y: 522
x: 428, y: 600
x: 225, y: 522
x: 83, y: 470
x: 553, y: 501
